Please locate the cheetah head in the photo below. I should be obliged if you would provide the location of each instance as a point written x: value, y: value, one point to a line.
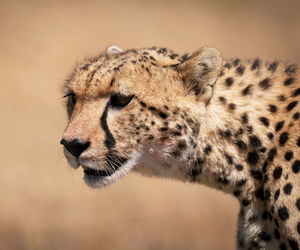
x: 137, y: 110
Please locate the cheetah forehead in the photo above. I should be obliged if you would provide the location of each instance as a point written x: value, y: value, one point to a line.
x: 100, y: 75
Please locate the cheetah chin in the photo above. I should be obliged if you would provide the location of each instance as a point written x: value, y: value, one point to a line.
x: 96, y: 178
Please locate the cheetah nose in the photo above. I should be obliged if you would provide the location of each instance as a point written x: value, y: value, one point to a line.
x: 75, y: 147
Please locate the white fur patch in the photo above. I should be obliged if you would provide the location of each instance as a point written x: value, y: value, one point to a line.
x: 113, y: 50
x: 104, y: 181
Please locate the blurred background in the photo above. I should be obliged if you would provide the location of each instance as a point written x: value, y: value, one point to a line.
x: 45, y: 204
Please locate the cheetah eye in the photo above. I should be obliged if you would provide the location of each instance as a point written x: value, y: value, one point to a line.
x: 71, y: 99
x: 119, y: 101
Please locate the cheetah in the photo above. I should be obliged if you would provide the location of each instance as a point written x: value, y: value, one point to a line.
x: 229, y: 124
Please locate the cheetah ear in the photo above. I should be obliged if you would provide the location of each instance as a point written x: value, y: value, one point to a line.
x: 200, y: 72
x: 111, y: 50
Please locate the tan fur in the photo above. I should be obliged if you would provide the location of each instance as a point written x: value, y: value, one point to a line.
x: 196, y: 118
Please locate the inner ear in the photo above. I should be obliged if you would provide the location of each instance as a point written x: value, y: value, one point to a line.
x: 200, y: 72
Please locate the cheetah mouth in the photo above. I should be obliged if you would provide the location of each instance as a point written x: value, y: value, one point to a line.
x: 99, y: 175
x: 94, y: 173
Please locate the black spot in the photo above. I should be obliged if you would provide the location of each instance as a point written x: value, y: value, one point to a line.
x: 296, y: 116
x: 164, y: 129
x: 254, y: 141
x: 279, y: 126
x: 281, y: 98
x: 283, y: 138
x: 255, y: 64
x: 249, y: 129
x: 227, y: 65
x: 277, y: 172
x: 236, y: 193
x: 273, y: 66
x: 229, y: 159
x: 265, y: 84
x: 232, y: 106
x: 222, y: 99
x: 282, y: 246
x: 240, y: 70
x: 259, y: 193
x: 256, y: 174
x: 276, y: 234
x: 225, y: 133
x: 266, y: 178
x: 298, y: 204
x: 163, y: 115
x: 290, y: 69
x: 289, y: 81
x: 109, y: 139
x: 265, y: 215
x: 223, y: 180
x: 150, y: 137
x: 236, y: 62
x: 296, y: 92
x: 162, y: 51
x: 298, y: 227
x: 143, y: 104
x: 276, y: 195
x: 239, y: 132
x: 247, y: 90
x: 288, y: 155
x: 252, y: 158
x: 293, y: 244
x: 195, y: 172
x: 245, y: 118
x: 239, y: 167
x: 283, y: 213
x: 264, y: 236
x: 152, y: 108
x: 208, y: 149
x: 242, y: 145
x: 296, y: 166
x: 264, y: 121
x: 246, y: 202
x: 267, y: 195
x: 181, y: 144
x: 229, y: 81
x: 184, y: 57
x: 241, y: 183
x: 270, y: 136
x: 298, y: 141
x: 176, y: 153
x: 272, y: 153
x: 173, y: 56
x: 272, y: 108
x: 291, y: 105
x: 288, y: 188
x: 263, y: 150
x: 176, y: 133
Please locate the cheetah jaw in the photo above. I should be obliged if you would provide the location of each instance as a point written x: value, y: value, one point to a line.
x: 94, y: 177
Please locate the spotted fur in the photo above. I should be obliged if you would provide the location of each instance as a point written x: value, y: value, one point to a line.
x: 230, y: 124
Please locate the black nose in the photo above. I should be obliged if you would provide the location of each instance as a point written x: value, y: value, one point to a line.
x: 75, y: 147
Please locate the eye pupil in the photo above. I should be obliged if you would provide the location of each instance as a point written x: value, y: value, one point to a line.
x: 119, y: 101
